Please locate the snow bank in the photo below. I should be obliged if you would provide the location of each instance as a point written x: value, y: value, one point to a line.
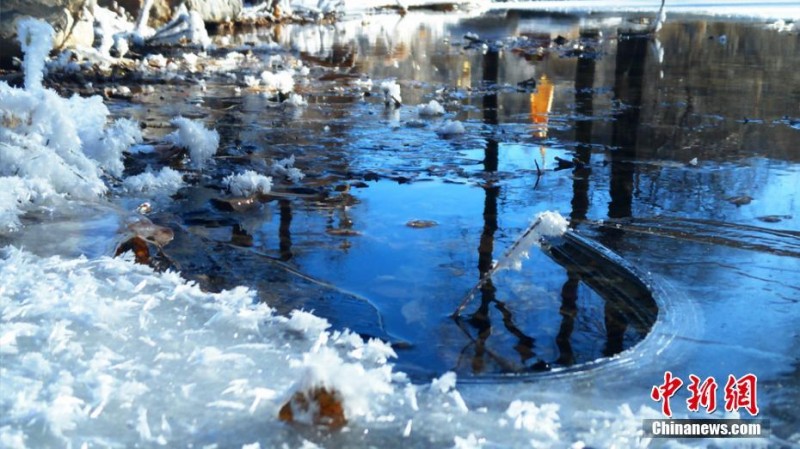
x: 89, y: 346
x: 248, y: 183
x: 201, y: 142
x: 779, y: 9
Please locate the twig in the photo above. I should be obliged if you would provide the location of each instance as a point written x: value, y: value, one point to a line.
x: 465, y: 301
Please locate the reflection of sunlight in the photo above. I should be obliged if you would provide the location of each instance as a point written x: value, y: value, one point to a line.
x: 465, y: 78
x: 541, y: 103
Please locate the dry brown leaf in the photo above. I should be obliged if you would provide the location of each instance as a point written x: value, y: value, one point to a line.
x: 139, y: 247
x: 325, y: 404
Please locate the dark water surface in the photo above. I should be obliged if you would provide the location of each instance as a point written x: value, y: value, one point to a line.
x: 684, y: 159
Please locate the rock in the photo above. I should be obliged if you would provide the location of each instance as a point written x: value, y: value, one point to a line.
x: 216, y: 11
x: 71, y: 19
x: 212, y: 11
x: 153, y: 233
x: 234, y: 204
x: 740, y: 200
x: 160, y: 11
x: 421, y: 224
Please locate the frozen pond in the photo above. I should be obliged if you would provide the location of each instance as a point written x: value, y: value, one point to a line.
x: 679, y: 154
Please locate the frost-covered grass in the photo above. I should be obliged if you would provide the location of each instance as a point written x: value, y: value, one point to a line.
x: 52, y: 148
x: 35, y: 39
x: 546, y: 224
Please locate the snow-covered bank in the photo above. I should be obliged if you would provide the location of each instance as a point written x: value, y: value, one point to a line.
x: 90, y: 347
x: 781, y: 9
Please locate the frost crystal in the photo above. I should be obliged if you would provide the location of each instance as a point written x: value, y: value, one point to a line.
x: 391, y: 93
x: 432, y: 108
x: 358, y: 386
x: 546, y: 224
x: 167, y: 181
x: 451, y: 128
x: 53, y: 147
x: 248, y: 183
x: 36, y: 40
x: 285, y: 167
x: 201, y: 142
x: 295, y: 100
x: 282, y: 82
